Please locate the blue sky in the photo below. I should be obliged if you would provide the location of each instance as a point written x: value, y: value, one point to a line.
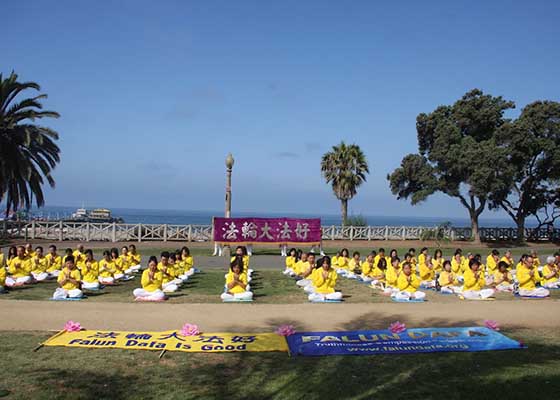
x: 153, y: 95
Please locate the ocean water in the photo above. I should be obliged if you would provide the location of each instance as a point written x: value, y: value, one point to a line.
x: 185, y: 217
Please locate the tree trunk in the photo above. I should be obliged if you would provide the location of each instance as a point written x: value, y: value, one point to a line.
x: 520, y: 221
x: 474, y: 226
x: 344, y: 204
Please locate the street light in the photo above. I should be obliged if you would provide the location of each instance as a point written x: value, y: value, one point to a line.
x: 229, y: 165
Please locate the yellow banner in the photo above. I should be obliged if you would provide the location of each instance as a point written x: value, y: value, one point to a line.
x: 171, y: 341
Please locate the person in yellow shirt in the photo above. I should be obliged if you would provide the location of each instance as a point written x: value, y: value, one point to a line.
x: 119, y: 264
x: 492, y: 261
x: 354, y: 266
x: 527, y: 278
x: 426, y: 270
x: 107, y: 269
x: 19, y: 269
x: 187, y: 263
x: 54, y: 262
x: 458, y: 265
x: 413, y: 260
x: 367, y: 268
x: 536, y: 260
x: 551, y: 274
x: 298, y: 266
x: 422, y: 256
x: 241, y: 251
x: 324, y: 281
x: 378, y: 274
x: 437, y: 261
x: 408, y: 284
x: 447, y: 280
x: 152, y: 280
x: 291, y: 260
x: 170, y: 283
x: 474, y: 282
x: 502, y: 280
x: 408, y: 259
x: 39, y: 264
x: 236, y: 283
x: 124, y: 261
x: 29, y: 250
x: 135, y: 258
x: 79, y: 254
x: 392, y: 275
x: 90, y: 272
x: 69, y: 281
x: 343, y: 262
x: 381, y: 255
x: 306, y: 270
x: 67, y: 253
x: 508, y: 259
x: 12, y: 253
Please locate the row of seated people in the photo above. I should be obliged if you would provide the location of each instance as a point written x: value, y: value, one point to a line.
x: 467, y: 276
x: 79, y: 270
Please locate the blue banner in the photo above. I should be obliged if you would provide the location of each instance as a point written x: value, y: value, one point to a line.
x: 422, y: 340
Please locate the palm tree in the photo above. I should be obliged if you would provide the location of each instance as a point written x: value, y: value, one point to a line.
x: 345, y: 167
x: 28, y: 153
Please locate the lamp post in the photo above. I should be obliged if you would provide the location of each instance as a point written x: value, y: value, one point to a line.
x: 229, y: 165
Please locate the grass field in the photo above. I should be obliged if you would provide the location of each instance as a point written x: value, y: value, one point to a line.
x: 268, y: 286
x: 67, y: 373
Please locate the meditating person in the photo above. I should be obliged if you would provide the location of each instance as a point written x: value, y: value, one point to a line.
x: 119, y: 264
x: 39, y: 264
x: 354, y: 265
x: 29, y: 252
x: 459, y: 264
x: 408, y: 284
x: 380, y: 256
x: 301, y: 265
x: 527, y: 278
x: 536, y: 260
x: 343, y: 261
x: 378, y: 274
x: 187, y: 263
x: 324, y: 281
x: 367, y: 268
x: 422, y: 256
x: 67, y: 253
x: 152, y: 280
x: 54, y: 262
x: 79, y: 254
x: 502, y: 280
x: 128, y: 263
x: 474, y: 282
x: 426, y: 270
x: 492, y: 261
x: 69, y: 281
x: 413, y: 260
x: 107, y: 269
x: 241, y: 251
x: 291, y: 260
x: 551, y: 274
x: 135, y: 258
x: 170, y: 283
x: 306, y: 270
x: 19, y: 270
x: 508, y: 259
x: 89, y: 269
x: 392, y: 276
x: 236, y: 282
x: 438, y: 260
x: 447, y: 280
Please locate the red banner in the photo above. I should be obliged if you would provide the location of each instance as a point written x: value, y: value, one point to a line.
x: 267, y: 230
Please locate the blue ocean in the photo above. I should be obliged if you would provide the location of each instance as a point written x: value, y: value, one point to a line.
x: 185, y: 217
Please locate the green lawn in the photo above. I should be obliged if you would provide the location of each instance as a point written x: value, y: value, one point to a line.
x: 68, y: 373
x: 268, y: 287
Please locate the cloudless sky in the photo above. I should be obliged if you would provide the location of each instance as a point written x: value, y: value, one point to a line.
x: 153, y: 95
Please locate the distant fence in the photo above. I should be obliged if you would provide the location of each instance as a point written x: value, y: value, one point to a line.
x: 85, y: 231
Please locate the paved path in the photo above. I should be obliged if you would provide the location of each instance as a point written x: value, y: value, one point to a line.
x: 48, y: 315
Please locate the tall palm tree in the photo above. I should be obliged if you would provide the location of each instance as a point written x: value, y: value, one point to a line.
x: 345, y: 167
x: 28, y: 153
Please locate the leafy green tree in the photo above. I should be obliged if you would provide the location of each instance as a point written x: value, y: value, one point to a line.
x: 28, y: 153
x: 457, y: 155
x: 345, y: 168
x: 532, y: 149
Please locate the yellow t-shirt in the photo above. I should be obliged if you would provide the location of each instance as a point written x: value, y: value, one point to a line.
x: 459, y: 268
x: 39, y: 265
x: 491, y: 263
x: 2, y: 261
x: 445, y: 278
x: 528, y: 278
x: 421, y: 259
x: 324, y: 285
x: 74, y: 274
x: 55, y: 263
x: 19, y: 267
x: 405, y: 286
x: 378, y: 257
x: 498, y: 278
x: 471, y: 283
x: 547, y: 270
x: 107, y: 268
x: 367, y: 268
x: 343, y: 263
x: 2, y: 276
x: 90, y: 273
x: 78, y: 256
x: 189, y: 262
x: 122, y: 263
x: 135, y: 259
x: 508, y: 261
x: 290, y: 262
x: 426, y: 274
x: 392, y: 275
x: 536, y: 262
x: 438, y: 264
x: 169, y: 273
x: 236, y: 288
x: 378, y: 274
x: 334, y: 261
x: 353, y: 265
x: 154, y: 284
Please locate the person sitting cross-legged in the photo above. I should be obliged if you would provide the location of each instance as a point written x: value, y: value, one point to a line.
x: 236, y: 282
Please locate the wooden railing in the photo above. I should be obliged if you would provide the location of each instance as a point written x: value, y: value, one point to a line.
x: 85, y: 231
